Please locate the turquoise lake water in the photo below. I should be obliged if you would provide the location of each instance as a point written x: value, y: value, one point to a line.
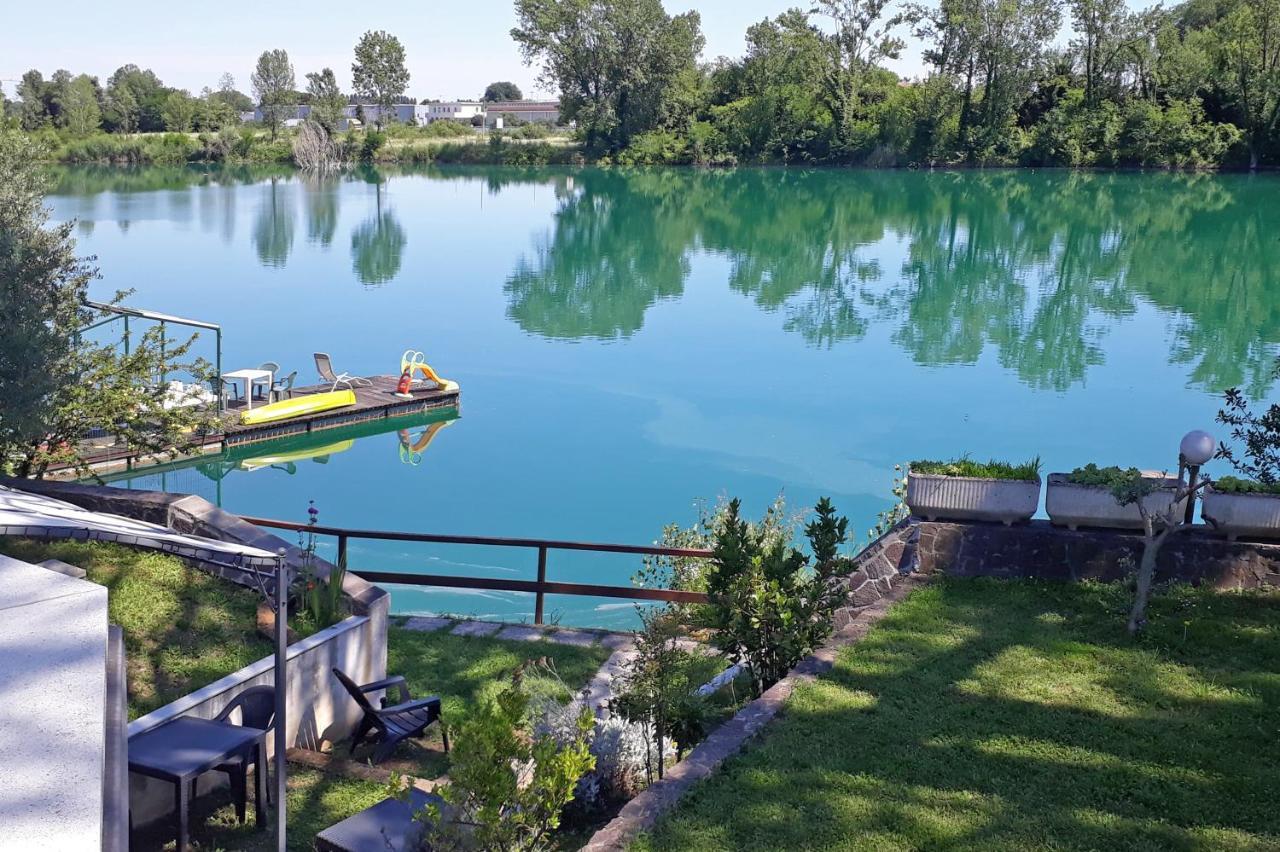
x: 631, y: 343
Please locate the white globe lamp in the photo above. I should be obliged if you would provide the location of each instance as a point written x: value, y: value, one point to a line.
x: 1197, y: 447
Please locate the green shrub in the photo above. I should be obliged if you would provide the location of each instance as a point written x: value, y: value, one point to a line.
x: 768, y: 605
x: 446, y: 130
x: 1236, y: 485
x: 371, y: 144
x: 965, y: 466
x: 1103, y: 477
x: 507, y: 788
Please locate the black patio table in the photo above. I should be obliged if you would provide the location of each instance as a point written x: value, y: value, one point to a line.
x: 182, y: 750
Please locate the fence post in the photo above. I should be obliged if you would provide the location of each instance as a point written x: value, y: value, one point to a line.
x: 542, y: 578
x: 342, y: 550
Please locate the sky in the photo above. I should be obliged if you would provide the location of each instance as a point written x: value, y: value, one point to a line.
x: 454, y: 49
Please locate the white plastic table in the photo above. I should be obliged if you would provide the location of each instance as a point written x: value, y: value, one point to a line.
x: 251, y: 378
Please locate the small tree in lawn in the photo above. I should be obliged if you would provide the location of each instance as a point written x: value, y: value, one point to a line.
x: 657, y: 691
x: 1158, y: 525
x: 273, y: 83
x: 1258, y: 433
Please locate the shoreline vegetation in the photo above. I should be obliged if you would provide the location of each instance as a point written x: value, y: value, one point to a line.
x: 1190, y: 87
x: 255, y: 148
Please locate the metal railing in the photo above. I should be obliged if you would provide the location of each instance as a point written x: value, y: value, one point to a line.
x: 117, y: 311
x: 539, y: 588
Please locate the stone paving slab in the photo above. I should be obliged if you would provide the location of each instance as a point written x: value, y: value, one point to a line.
x: 521, y: 633
x: 475, y: 628
x: 427, y: 624
x: 577, y: 638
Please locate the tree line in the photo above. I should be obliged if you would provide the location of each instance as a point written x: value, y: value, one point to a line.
x: 135, y: 100
x: 1193, y: 85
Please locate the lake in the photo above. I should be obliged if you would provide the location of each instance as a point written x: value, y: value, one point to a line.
x: 631, y: 344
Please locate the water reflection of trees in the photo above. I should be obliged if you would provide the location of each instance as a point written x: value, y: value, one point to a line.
x: 1039, y: 266
x: 377, y: 244
x: 272, y: 234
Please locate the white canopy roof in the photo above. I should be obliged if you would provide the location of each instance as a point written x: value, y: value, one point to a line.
x: 37, y: 516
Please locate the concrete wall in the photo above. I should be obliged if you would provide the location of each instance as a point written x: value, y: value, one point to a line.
x: 53, y: 656
x: 318, y: 708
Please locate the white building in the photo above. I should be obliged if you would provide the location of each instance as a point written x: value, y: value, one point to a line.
x: 545, y: 112
x: 463, y: 111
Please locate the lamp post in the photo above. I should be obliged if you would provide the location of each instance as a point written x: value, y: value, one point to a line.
x: 1195, y: 450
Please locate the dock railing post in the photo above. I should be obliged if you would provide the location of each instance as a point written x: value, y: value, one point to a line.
x: 342, y: 550
x: 540, y: 597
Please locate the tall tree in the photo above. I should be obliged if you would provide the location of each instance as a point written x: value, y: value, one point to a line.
x: 1102, y: 34
x: 1247, y: 52
x: 273, y: 84
x: 379, y: 73
x: 327, y: 101
x: 31, y: 91
x: 862, y: 37
x: 502, y: 91
x: 80, y: 113
x: 135, y: 100
x: 614, y: 62
x: 179, y: 112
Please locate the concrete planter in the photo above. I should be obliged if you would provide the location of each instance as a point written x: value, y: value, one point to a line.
x: 970, y: 498
x: 1070, y: 505
x: 1249, y: 515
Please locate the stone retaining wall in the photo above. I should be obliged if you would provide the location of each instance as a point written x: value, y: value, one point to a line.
x: 1040, y: 550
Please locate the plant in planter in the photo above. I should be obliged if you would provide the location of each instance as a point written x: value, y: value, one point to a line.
x: 963, y: 489
x: 1247, y: 505
x: 1085, y: 497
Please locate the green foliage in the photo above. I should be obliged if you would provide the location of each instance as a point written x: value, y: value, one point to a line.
x: 506, y: 787
x: 658, y: 690
x: 273, y: 84
x: 502, y: 91
x: 446, y: 130
x: 320, y: 595
x: 370, y: 143
x: 1260, y: 433
x: 1103, y: 477
x: 179, y: 112
x: 620, y: 66
x: 379, y: 72
x: 1236, y: 485
x: 897, y: 512
x: 993, y: 469
x: 327, y: 100
x: 769, y: 607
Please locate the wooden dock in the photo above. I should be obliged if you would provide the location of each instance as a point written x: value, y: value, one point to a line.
x: 375, y: 402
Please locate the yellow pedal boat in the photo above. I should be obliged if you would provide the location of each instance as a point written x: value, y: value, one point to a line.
x: 296, y: 407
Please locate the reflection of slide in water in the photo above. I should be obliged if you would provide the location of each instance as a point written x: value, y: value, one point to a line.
x: 411, y: 448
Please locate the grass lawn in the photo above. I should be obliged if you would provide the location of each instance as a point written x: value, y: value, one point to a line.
x: 183, y: 628
x: 462, y: 670
x: 986, y: 714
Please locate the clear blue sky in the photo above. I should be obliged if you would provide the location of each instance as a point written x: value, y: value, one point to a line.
x: 454, y: 48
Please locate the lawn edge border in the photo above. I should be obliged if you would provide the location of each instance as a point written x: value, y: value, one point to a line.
x: 642, y: 813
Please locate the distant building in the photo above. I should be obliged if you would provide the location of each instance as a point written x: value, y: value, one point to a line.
x: 545, y: 112
x: 463, y: 111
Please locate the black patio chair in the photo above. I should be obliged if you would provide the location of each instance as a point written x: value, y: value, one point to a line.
x: 257, y: 706
x: 391, y: 724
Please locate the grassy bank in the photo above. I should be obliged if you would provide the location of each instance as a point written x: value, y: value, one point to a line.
x: 985, y: 714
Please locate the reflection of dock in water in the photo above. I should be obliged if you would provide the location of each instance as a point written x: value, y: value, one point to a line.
x: 196, y: 474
